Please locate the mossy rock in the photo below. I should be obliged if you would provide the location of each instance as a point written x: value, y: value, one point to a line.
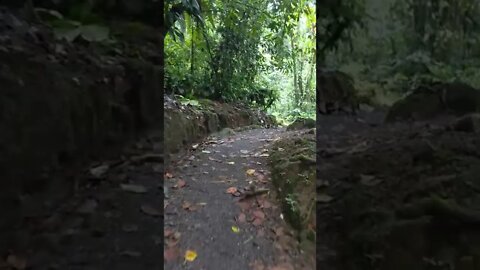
x: 294, y: 176
x: 337, y: 89
x: 429, y: 101
x: 302, y: 123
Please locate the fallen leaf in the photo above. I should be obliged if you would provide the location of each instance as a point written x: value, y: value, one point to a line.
x: 250, y: 172
x: 235, y: 229
x: 188, y: 206
x: 133, y: 188
x: 16, y: 262
x: 190, y: 255
x: 171, y: 254
x: 266, y: 204
x: 168, y: 175
x: 259, y: 214
x: 180, y: 184
x: 172, y: 242
x: 245, y: 204
x: 99, y: 171
x: 231, y: 190
x: 242, y: 218
x: 168, y: 232
x: 149, y: 210
x: 257, y: 221
x: 324, y: 198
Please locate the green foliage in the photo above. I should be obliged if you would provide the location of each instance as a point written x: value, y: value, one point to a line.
x: 175, y: 16
x: 238, y: 51
x: 403, y: 44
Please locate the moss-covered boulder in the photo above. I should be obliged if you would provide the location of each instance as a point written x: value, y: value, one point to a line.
x: 294, y: 175
x: 336, y: 92
x: 301, y: 123
x: 430, y: 101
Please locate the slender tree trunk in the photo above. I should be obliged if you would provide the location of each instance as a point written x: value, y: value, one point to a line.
x: 192, y: 52
x: 295, y: 74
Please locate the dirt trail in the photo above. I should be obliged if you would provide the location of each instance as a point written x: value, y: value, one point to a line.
x: 200, y: 181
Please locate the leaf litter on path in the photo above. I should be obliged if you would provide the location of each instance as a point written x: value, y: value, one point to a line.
x: 171, y: 237
x: 242, y: 218
x: 171, y: 254
x: 180, y: 184
x: 189, y: 206
x: 231, y: 190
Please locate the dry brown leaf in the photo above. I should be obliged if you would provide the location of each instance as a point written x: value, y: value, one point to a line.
x: 259, y: 214
x: 150, y: 210
x: 242, y: 218
x: 245, y: 204
x: 180, y: 184
x: 188, y: 206
x: 257, y: 221
x: 231, y: 190
x: 171, y: 254
x: 168, y: 232
x: 266, y: 205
